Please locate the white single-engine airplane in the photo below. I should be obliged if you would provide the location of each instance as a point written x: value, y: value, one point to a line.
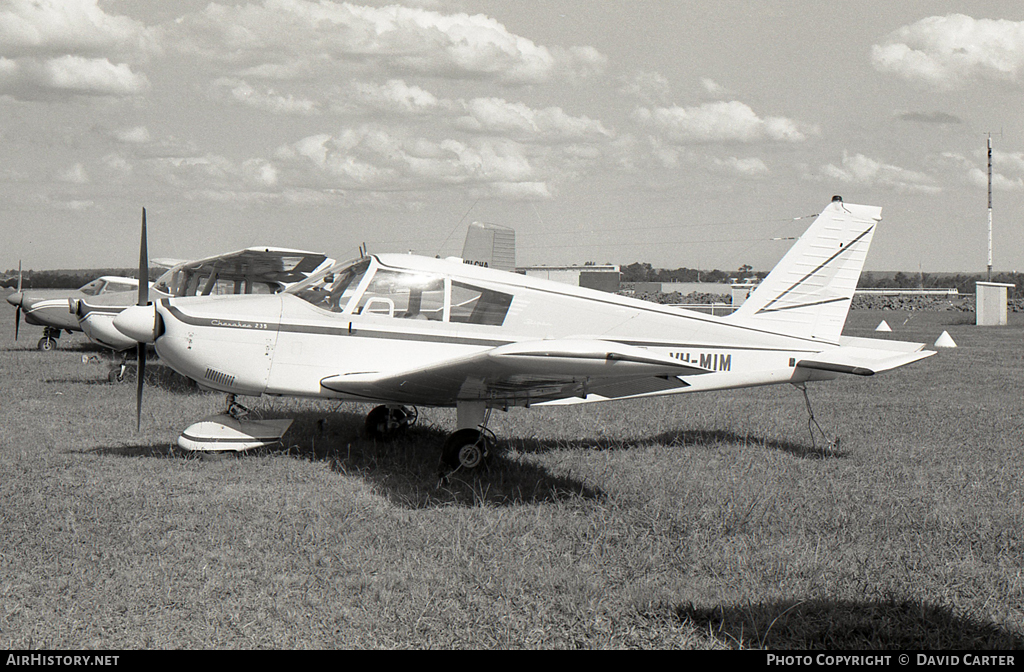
x: 406, y: 331
x: 49, y: 308
x: 254, y: 270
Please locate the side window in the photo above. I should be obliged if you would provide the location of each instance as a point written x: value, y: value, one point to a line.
x: 118, y: 287
x: 474, y: 305
x: 406, y: 295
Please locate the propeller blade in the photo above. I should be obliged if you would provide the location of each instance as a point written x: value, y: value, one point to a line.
x: 17, y: 312
x: 140, y: 349
x: 140, y: 382
x: 143, y: 264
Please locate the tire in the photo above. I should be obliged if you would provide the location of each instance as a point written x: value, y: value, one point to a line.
x: 466, y: 449
x: 381, y: 423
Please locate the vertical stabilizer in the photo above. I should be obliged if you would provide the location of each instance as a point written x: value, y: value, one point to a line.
x: 809, y: 292
x: 490, y: 245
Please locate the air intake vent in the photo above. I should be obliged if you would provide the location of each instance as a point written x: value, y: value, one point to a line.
x: 223, y: 379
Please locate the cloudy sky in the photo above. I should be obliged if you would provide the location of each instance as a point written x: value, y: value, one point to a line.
x: 674, y: 132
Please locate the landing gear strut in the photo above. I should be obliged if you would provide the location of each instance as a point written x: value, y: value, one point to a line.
x: 117, y: 371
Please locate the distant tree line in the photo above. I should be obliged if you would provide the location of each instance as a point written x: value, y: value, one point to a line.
x: 962, y: 282
x: 643, y: 272
x: 67, y: 279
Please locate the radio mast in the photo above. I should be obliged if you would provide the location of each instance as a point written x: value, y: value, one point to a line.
x: 989, y: 274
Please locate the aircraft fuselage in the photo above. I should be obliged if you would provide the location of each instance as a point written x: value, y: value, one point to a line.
x: 285, y: 345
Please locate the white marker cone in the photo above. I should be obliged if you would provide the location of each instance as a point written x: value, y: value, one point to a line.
x: 883, y: 326
x: 945, y: 341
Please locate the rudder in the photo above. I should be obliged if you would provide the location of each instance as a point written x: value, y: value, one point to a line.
x: 809, y: 291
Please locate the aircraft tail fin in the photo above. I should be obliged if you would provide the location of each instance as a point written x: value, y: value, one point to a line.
x: 490, y: 245
x: 809, y: 291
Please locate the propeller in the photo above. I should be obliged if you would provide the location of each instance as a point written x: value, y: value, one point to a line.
x: 17, y: 310
x: 140, y: 348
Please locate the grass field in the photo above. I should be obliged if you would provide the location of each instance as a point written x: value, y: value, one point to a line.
x: 699, y: 522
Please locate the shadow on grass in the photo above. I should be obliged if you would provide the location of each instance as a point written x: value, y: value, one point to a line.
x: 698, y: 438
x: 157, y: 375
x: 845, y: 625
x: 158, y: 450
x: 408, y: 469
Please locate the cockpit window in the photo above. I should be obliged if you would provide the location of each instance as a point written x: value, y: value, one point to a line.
x: 92, y: 288
x: 404, y: 294
x: 333, y: 289
x: 193, y: 282
x: 113, y: 286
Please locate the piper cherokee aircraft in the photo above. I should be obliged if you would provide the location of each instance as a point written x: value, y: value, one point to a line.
x: 405, y: 331
x: 255, y: 270
x: 49, y: 308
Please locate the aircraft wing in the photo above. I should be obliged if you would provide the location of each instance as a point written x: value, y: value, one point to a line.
x: 270, y: 264
x: 865, y: 356
x: 525, y: 372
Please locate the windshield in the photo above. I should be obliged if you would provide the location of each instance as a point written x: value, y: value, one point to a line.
x: 332, y: 289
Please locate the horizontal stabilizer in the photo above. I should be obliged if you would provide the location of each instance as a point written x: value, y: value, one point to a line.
x: 865, y: 356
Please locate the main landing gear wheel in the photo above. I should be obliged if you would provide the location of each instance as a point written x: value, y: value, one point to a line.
x: 384, y: 423
x: 466, y: 449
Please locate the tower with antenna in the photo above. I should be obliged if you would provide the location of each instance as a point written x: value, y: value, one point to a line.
x: 988, y: 275
x: 990, y: 297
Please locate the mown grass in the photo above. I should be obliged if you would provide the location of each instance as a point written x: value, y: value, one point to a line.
x: 698, y: 522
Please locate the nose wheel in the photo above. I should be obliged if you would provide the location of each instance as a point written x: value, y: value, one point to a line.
x: 49, y: 340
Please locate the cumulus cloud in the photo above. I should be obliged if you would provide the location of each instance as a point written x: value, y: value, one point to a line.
x: 949, y: 51
x: 30, y: 78
x: 51, y: 27
x: 711, y: 87
x: 1007, y: 169
x: 498, y: 116
x: 370, y: 158
x: 54, y: 47
x: 864, y: 171
x: 719, y: 122
x: 265, y: 98
x: 286, y: 36
x: 1000, y: 182
x: 394, y: 96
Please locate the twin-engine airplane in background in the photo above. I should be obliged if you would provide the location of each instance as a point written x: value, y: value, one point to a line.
x: 404, y: 331
x: 49, y: 308
x: 254, y: 270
